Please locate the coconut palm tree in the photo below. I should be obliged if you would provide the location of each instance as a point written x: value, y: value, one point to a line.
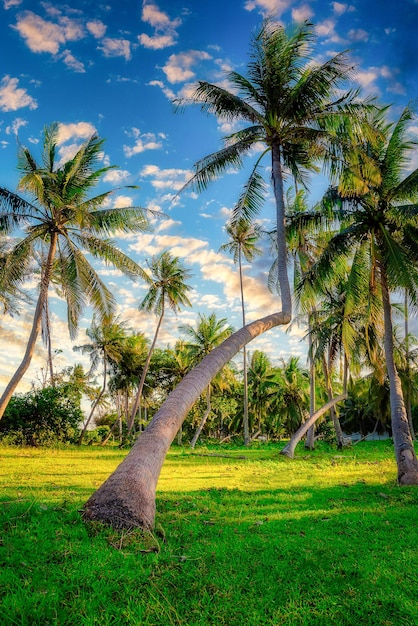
x: 61, y: 223
x: 243, y: 239
x: 201, y: 340
x: 292, y: 107
x: 377, y: 198
x: 106, y: 346
x: 167, y: 288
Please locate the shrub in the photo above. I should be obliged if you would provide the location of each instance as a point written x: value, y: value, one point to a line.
x: 43, y: 417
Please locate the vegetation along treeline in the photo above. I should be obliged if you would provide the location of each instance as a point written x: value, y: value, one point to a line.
x: 354, y: 255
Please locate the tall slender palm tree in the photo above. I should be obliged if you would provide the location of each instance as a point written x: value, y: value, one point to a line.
x: 65, y: 222
x: 106, y: 345
x: 167, y: 288
x: 377, y: 199
x: 202, y: 339
x: 292, y: 106
x: 243, y: 244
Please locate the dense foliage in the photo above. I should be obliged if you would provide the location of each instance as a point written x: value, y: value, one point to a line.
x: 42, y: 417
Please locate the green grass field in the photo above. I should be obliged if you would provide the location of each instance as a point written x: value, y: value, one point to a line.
x: 325, y: 539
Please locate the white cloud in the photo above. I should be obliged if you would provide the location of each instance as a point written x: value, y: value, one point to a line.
x: 8, y: 4
x: 13, y: 97
x: 143, y: 141
x: 166, y: 90
x: 339, y: 8
x: 80, y: 130
x: 358, y: 34
x: 73, y: 63
x: 165, y: 34
x: 122, y: 202
x: 302, y: 13
x: 44, y: 36
x: 116, y: 48
x: 170, y: 178
x: 178, y: 68
x: 278, y: 7
x: 15, y: 125
x: 116, y: 176
x: 96, y: 28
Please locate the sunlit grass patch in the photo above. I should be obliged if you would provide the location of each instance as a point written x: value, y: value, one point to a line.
x: 328, y: 538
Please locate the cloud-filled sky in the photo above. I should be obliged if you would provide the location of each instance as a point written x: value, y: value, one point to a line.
x: 115, y: 68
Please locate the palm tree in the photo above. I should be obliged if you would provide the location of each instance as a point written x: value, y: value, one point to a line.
x: 376, y: 200
x: 243, y: 238
x: 106, y: 345
x: 209, y: 333
x: 290, y: 105
x: 167, y: 288
x: 61, y: 224
x: 262, y: 385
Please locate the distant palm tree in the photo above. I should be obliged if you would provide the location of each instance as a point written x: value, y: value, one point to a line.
x: 202, y: 339
x: 243, y: 239
x: 377, y: 202
x: 65, y: 223
x: 106, y: 345
x: 167, y: 288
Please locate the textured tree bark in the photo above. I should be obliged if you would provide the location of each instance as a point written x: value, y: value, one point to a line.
x: 310, y: 437
x: 127, y: 498
x: 289, y: 449
x: 404, y: 448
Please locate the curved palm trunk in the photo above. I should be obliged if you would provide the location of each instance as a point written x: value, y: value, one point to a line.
x: 95, y: 403
x: 144, y: 373
x: 289, y: 449
x: 36, y: 327
x: 127, y: 498
x: 244, y: 358
x: 404, y: 449
x: 203, y: 420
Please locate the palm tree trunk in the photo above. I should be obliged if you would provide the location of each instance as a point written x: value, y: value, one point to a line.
x: 95, y: 403
x: 144, y: 373
x: 336, y: 422
x: 36, y: 327
x: 404, y: 449
x: 310, y: 437
x: 277, y: 176
x: 408, y: 371
x: 244, y: 357
x: 289, y: 449
x: 127, y: 498
x: 203, y: 420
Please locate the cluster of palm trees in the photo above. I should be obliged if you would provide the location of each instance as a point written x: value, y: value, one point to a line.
x: 353, y: 251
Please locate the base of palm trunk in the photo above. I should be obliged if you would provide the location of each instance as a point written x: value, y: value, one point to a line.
x: 407, y: 468
x: 127, y: 508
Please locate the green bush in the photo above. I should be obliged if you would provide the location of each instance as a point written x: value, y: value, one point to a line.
x: 43, y: 417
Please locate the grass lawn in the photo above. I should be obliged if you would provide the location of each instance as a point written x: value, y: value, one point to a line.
x: 325, y: 539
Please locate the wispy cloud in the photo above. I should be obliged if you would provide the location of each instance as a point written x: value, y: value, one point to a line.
x: 46, y: 36
x: 276, y: 7
x: 178, y: 69
x: 13, y: 97
x: 162, y: 179
x: 143, y: 142
x: 116, y: 48
x: 165, y: 34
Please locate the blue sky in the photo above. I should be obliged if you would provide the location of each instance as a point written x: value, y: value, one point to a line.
x: 114, y: 68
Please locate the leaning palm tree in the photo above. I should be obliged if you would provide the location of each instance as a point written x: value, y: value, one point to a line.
x: 202, y: 339
x: 167, y: 288
x: 290, y: 105
x: 243, y: 243
x: 61, y: 223
x: 378, y: 200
